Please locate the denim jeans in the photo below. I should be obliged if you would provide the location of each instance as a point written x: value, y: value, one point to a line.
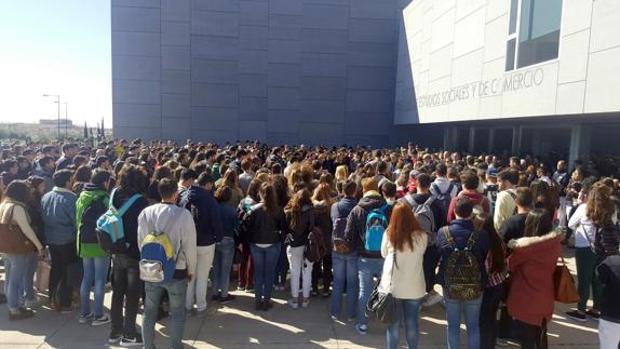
x: 126, y: 291
x: 368, y: 268
x: 95, y: 272
x: 345, y: 271
x: 471, y: 310
x: 409, y: 313
x: 176, y: 290
x: 265, y: 261
x: 15, y: 279
x: 224, y: 254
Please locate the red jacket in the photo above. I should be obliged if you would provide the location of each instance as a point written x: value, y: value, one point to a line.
x: 531, y: 264
x: 475, y: 197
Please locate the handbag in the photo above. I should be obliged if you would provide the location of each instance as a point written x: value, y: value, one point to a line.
x: 382, y: 305
x: 13, y: 240
x: 564, y: 287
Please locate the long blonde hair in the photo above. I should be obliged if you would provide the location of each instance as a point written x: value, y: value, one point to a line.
x: 342, y: 173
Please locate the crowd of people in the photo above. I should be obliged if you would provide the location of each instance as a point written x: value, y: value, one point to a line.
x: 163, y: 223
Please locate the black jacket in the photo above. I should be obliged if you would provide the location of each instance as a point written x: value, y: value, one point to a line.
x: 206, y: 213
x: 355, y: 232
x: 130, y: 220
x: 262, y: 228
x: 609, y: 274
x: 298, y: 233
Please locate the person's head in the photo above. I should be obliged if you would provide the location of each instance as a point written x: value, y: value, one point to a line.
x: 82, y: 174
x: 561, y: 166
x: 388, y: 190
x: 101, y: 178
x: 538, y: 223
x: 47, y: 163
x: 168, y: 190
x: 69, y: 150
x: 491, y: 175
x: 18, y: 190
x: 441, y: 170
x: 464, y: 207
x: 223, y: 194
x: 600, y: 207
x: 349, y: 188
x: 300, y: 200
x: 470, y: 180
x: 205, y: 181
x: 254, y: 189
x: 524, y: 199
x: 246, y: 165
x: 507, y: 179
x: 103, y: 162
x: 62, y: 179
x: 187, y: 177
x: 423, y: 183
x: 10, y: 166
x: 369, y: 184
x: 268, y: 197
x: 38, y: 185
x: 231, y: 179
x: 403, y: 227
x: 132, y: 180
x: 342, y: 173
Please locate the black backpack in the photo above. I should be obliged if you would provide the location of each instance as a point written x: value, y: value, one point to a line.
x: 340, y: 223
x: 606, y: 240
x: 315, y: 247
x: 462, y: 275
x: 443, y: 199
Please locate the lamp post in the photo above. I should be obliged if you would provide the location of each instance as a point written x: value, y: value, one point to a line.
x: 66, y: 119
x: 57, y: 102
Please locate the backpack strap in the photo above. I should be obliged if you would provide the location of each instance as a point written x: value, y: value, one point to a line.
x: 429, y: 201
x: 436, y: 189
x: 446, y: 233
x: 471, y: 242
x: 127, y: 204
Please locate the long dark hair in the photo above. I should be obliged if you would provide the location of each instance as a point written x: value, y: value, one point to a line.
x: 269, y: 199
x: 538, y: 223
x: 496, y: 247
x: 298, y: 201
x: 19, y: 190
x: 600, y: 207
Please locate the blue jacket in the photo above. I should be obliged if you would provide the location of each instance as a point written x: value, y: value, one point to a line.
x: 461, y: 229
x: 230, y: 220
x: 206, y: 213
x: 58, y: 211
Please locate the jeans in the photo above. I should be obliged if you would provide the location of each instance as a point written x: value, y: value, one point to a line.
x: 246, y: 269
x: 531, y: 336
x: 283, y: 267
x: 409, y: 313
x: 368, y: 268
x: 59, y: 288
x: 265, y: 260
x: 609, y: 334
x: 198, y: 285
x: 431, y: 258
x: 345, y: 271
x: 489, y: 326
x: 454, y: 310
x: 15, y: 279
x: 126, y: 291
x: 224, y: 254
x: 176, y: 290
x: 587, y: 262
x: 300, y: 267
x: 95, y: 271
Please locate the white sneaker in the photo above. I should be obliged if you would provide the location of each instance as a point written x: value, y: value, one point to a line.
x: 84, y: 319
x: 432, y: 299
x: 102, y: 320
x: 305, y: 302
x: 293, y: 303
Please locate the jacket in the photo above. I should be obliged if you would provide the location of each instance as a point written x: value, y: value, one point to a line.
x: 17, y: 212
x: 342, y: 208
x: 475, y: 197
x: 298, y: 233
x: 46, y: 175
x: 609, y: 275
x: 58, y: 210
x: 91, y: 204
x: 206, y: 213
x: 230, y: 220
x: 262, y: 228
x: 460, y: 230
x: 323, y: 221
x: 505, y: 207
x: 531, y: 265
x: 355, y: 232
x: 407, y: 276
x: 130, y: 220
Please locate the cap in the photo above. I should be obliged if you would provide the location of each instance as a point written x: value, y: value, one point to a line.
x: 492, y: 172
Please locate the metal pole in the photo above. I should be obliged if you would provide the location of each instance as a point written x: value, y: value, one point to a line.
x: 58, y: 98
x: 66, y: 119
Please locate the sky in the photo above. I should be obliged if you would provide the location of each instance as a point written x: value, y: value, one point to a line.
x: 55, y: 47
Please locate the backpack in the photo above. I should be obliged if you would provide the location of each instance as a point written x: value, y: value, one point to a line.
x: 340, y: 223
x: 443, y: 199
x: 376, y: 223
x: 88, y: 208
x: 157, y: 256
x: 315, y: 248
x: 462, y: 273
x: 422, y: 212
x: 110, y: 229
x: 606, y: 240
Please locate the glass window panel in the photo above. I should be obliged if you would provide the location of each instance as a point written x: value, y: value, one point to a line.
x: 510, y: 54
x: 539, y: 31
x: 513, y: 16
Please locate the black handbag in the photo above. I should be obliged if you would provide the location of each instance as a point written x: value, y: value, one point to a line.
x: 381, y: 305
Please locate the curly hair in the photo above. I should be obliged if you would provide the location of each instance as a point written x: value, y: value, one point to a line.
x: 600, y: 207
x: 300, y: 199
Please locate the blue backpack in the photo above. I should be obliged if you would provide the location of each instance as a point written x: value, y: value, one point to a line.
x: 110, y: 229
x: 376, y: 223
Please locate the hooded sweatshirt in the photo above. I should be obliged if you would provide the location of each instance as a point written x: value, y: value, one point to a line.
x: 355, y: 232
x: 475, y: 197
x: 91, y: 204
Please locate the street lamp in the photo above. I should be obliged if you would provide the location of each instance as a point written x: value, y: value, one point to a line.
x: 57, y: 102
x: 66, y: 119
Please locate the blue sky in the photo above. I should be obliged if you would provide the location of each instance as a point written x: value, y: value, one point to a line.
x: 55, y: 47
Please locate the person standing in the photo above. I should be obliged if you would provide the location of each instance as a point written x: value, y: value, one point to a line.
x: 177, y: 223
x: 609, y: 323
x: 403, y: 248
x: 58, y: 211
x: 505, y: 205
x: 225, y: 249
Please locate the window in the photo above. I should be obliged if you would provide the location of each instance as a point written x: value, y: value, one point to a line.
x: 533, y: 32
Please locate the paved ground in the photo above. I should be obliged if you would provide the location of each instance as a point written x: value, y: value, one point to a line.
x: 238, y: 326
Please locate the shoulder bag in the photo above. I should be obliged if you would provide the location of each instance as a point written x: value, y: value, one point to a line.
x: 381, y: 305
x: 564, y: 287
x: 13, y: 240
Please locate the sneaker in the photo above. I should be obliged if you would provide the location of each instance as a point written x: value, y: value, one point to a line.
x: 333, y: 317
x: 432, y: 299
x: 101, y: 320
x: 215, y: 297
x: 229, y: 298
x: 20, y: 314
x: 315, y: 292
x: 577, y: 315
x: 361, y: 329
x: 83, y: 319
x: 594, y: 314
x: 114, y: 338
x: 249, y: 289
x: 501, y: 342
x: 240, y: 288
x: 293, y: 303
x: 305, y: 302
x: 31, y: 303
x: 131, y: 341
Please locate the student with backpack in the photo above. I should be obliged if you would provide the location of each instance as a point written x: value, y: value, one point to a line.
x: 505, y: 205
x: 344, y: 259
x: 442, y: 188
x: 167, y: 238
x: 462, y: 273
x: 429, y: 215
x: 470, y: 181
x: 127, y: 201
x: 91, y: 204
x: 365, y: 227
x: 300, y: 219
x: 322, y: 200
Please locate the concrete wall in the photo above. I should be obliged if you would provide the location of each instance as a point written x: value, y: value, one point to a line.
x: 295, y: 71
x: 449, y: 44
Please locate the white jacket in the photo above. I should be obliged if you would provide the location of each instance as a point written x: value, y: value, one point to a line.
x: 408, y: 274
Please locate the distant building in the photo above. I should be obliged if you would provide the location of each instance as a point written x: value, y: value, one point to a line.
x: 53, y: 124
